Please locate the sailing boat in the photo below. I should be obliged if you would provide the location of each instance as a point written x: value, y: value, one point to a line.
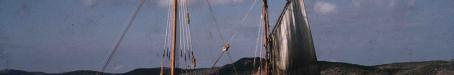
x: 289, y: 46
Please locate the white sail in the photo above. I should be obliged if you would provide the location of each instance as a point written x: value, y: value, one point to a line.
x: 292, y: 49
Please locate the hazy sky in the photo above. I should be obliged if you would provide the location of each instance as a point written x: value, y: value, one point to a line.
x: 67, y: 35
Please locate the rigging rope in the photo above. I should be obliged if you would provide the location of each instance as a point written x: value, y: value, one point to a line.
x: 117, y: 44
x: 193, y: 60
x: 188, y: 35
x: 215, y: 20
x: 185, y: 42
x: 184, y: 34
x: 258, y: 42
x: 233, y: 63
x: 247, y: 13
x: 243, y: 20
x: 226, y: 42
x: 180, y: 35
x: 166, y: 41
x: 259, y: 45
x: 220, y: 56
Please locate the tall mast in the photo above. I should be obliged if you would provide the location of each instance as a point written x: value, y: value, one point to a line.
x: 265, y: 33
x: 174, y: 36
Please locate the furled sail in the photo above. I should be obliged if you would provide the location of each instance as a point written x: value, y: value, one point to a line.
x: 291, y: 46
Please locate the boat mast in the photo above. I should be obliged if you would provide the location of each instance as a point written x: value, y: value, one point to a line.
x: 174, y: 36
x: 265, y: 33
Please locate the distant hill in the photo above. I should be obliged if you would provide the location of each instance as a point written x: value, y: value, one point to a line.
x: 339, y: 68
x: 404, y: 68
x: 419, y: 68
x: 246, y: 66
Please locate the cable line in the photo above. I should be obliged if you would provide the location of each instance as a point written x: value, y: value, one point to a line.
x: 166, y: 45
x: 117, y: 44
x: 215, y: 20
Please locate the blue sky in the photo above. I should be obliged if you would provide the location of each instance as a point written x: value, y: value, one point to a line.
x: 67, y: 35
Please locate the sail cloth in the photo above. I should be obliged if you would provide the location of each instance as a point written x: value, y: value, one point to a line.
x: 291, y: 46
